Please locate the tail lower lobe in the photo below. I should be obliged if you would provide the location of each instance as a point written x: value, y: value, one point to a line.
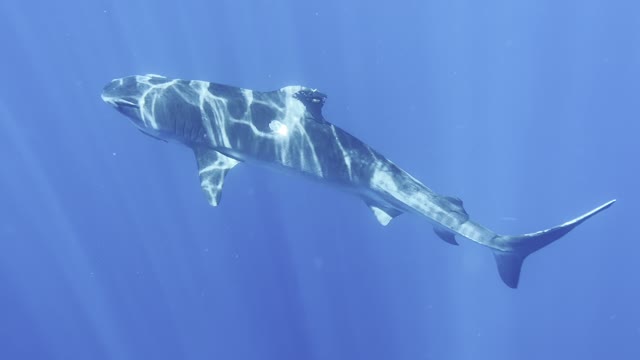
x: 520, y: 246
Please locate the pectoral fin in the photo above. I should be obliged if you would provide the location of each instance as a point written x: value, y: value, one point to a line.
x: 213, y: 167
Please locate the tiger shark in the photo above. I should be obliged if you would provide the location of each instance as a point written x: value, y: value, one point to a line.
x: 285, y: 130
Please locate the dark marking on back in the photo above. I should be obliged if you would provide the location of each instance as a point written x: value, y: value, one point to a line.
x: 313, y: 101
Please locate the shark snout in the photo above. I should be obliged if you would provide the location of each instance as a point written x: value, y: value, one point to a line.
x: 129, y: 95
x: 125, y: 94
x: 122, y: 92
x: 111, y: 89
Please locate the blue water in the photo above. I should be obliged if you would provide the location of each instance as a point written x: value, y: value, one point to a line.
x: 526, y: 110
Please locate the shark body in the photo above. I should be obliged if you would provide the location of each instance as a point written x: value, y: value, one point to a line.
x: 285, y: 130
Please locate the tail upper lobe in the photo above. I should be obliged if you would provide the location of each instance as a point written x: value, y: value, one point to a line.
x: 520, y: 246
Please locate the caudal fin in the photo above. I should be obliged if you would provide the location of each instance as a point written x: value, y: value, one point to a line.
x: 520, y: 246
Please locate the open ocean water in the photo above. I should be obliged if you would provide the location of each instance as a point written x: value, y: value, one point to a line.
x: 527, y: 110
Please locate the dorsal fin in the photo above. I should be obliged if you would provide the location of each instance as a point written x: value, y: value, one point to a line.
x: 454, y: 200
x: 455, y: 204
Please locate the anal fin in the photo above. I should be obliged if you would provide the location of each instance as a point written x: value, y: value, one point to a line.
x: 445, y: 235
x: 212, y: 168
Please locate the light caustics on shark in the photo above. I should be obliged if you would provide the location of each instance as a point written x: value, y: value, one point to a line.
x: 285, y: 129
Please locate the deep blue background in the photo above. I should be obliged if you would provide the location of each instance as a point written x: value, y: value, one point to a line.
x: 527, y: 110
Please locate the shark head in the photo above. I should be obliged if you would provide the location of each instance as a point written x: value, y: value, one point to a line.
x: 127, y: 96
x: 146, y: 100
